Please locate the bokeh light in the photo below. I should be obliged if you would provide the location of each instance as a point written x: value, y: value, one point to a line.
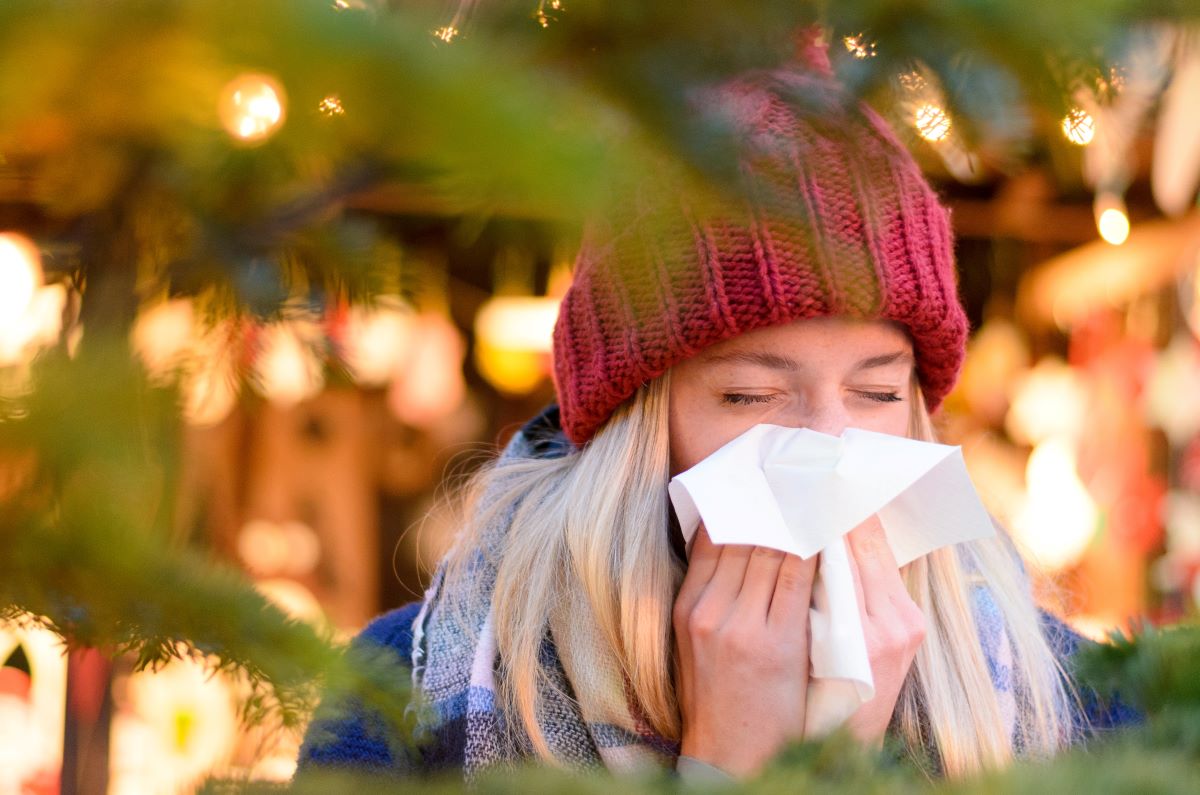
x: 1112, y: 219
x: 1079, y: 127
x: 932, y: 122
x: 252, y: 107
x: 20, y: 274
x: 1059, y: 518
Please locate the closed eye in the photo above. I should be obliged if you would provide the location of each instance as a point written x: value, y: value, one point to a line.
x: 881, y: 397
x: 744, y: 399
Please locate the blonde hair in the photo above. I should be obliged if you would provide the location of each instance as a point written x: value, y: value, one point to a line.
x: 588, y: 544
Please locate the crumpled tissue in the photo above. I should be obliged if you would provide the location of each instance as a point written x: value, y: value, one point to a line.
x: 801, y: 491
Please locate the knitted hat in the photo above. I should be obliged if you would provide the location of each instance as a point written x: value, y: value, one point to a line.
x: 834, y: 218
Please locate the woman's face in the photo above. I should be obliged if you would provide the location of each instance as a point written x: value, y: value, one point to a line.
x: 826, y: 374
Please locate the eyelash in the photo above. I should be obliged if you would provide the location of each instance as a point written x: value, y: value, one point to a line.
x: 742, y: 399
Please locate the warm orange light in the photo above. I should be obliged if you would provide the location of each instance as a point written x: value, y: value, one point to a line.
x: 1059, y: 518
x: 932, y: 122
x: 1112, y: 220
x: 20, y: 274
x: 1079, y: 127
x: 378, y: 340
x: 514, y: 335
x: 287, y: 370
x: 252, y: 107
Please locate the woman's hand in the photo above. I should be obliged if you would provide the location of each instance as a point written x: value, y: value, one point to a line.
x: 742, y: 662
x: 893, y: 624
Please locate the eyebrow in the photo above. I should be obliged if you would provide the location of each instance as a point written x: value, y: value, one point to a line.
x: 775, y: 361
x: 883, y: 360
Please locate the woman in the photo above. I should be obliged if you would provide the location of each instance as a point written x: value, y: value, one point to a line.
x: 569, y: 625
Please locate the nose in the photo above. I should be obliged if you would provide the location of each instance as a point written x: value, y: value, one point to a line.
x: 824, y: 412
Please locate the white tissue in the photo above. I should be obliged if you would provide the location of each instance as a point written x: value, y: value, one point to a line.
x: 801, y: 491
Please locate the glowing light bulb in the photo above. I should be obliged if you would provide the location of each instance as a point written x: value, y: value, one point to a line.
x: 252, y: 107
x: 932, y: 122
x: 1112, y: 220
x: 331, y: 106
x: 20, y: 275
x: 859, y: 46
x: 1079, y: 127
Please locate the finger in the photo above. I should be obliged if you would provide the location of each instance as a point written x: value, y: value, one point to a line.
x: 702, y: 562
x: 877, y: 568
x: 858, y: 587
x: 793, y: 591
x: 727, y: 579
x: 758, y: 586
x: 701, y: 565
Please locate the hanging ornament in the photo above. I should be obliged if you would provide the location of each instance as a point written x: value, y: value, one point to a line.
x: 1175, y: 171
x: 252, y: 107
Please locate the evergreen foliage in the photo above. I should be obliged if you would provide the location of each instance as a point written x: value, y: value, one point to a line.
x: 111, y: 146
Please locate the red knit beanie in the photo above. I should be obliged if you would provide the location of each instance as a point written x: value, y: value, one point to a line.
x: 837, y: 219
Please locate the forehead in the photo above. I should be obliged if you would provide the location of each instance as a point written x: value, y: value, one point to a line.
x: 817, y: 339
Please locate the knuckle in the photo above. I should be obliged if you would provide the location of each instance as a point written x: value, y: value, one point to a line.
x: 703, y: 624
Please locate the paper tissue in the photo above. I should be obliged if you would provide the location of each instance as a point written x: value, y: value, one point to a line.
x: 801, y: 491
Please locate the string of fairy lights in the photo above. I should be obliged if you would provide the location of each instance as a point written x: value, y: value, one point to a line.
x: 253, y: 107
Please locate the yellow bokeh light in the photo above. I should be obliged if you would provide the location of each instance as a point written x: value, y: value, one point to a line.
x: 514, y: 335
x: 1112, y: 221
x: 20, y: 275
x: 932, y: 122
x: 1079, y: 127
x: 378, y: 340
x: 331, y: 106
x: 859, y: 46
x: 1059, y: 518
x: 287, y: 369
x: 252, y: 107
x: 446, y: 33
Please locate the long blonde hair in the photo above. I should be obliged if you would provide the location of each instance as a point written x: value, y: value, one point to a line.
x: 588, y: 534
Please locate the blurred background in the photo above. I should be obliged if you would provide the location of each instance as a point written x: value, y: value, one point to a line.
x: 305, y: 329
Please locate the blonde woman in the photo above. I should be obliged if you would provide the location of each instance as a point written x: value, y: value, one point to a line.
x: 568, y: 624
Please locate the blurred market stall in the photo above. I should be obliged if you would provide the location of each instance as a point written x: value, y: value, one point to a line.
x: 274, y: 275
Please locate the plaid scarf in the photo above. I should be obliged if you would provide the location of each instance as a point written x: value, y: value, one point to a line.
x: 589, y: 718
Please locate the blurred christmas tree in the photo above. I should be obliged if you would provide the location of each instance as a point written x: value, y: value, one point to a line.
x: 222, y: 151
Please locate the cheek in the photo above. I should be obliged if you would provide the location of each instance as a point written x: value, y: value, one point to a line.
x: 696, y: 427
x: 891, y: 419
